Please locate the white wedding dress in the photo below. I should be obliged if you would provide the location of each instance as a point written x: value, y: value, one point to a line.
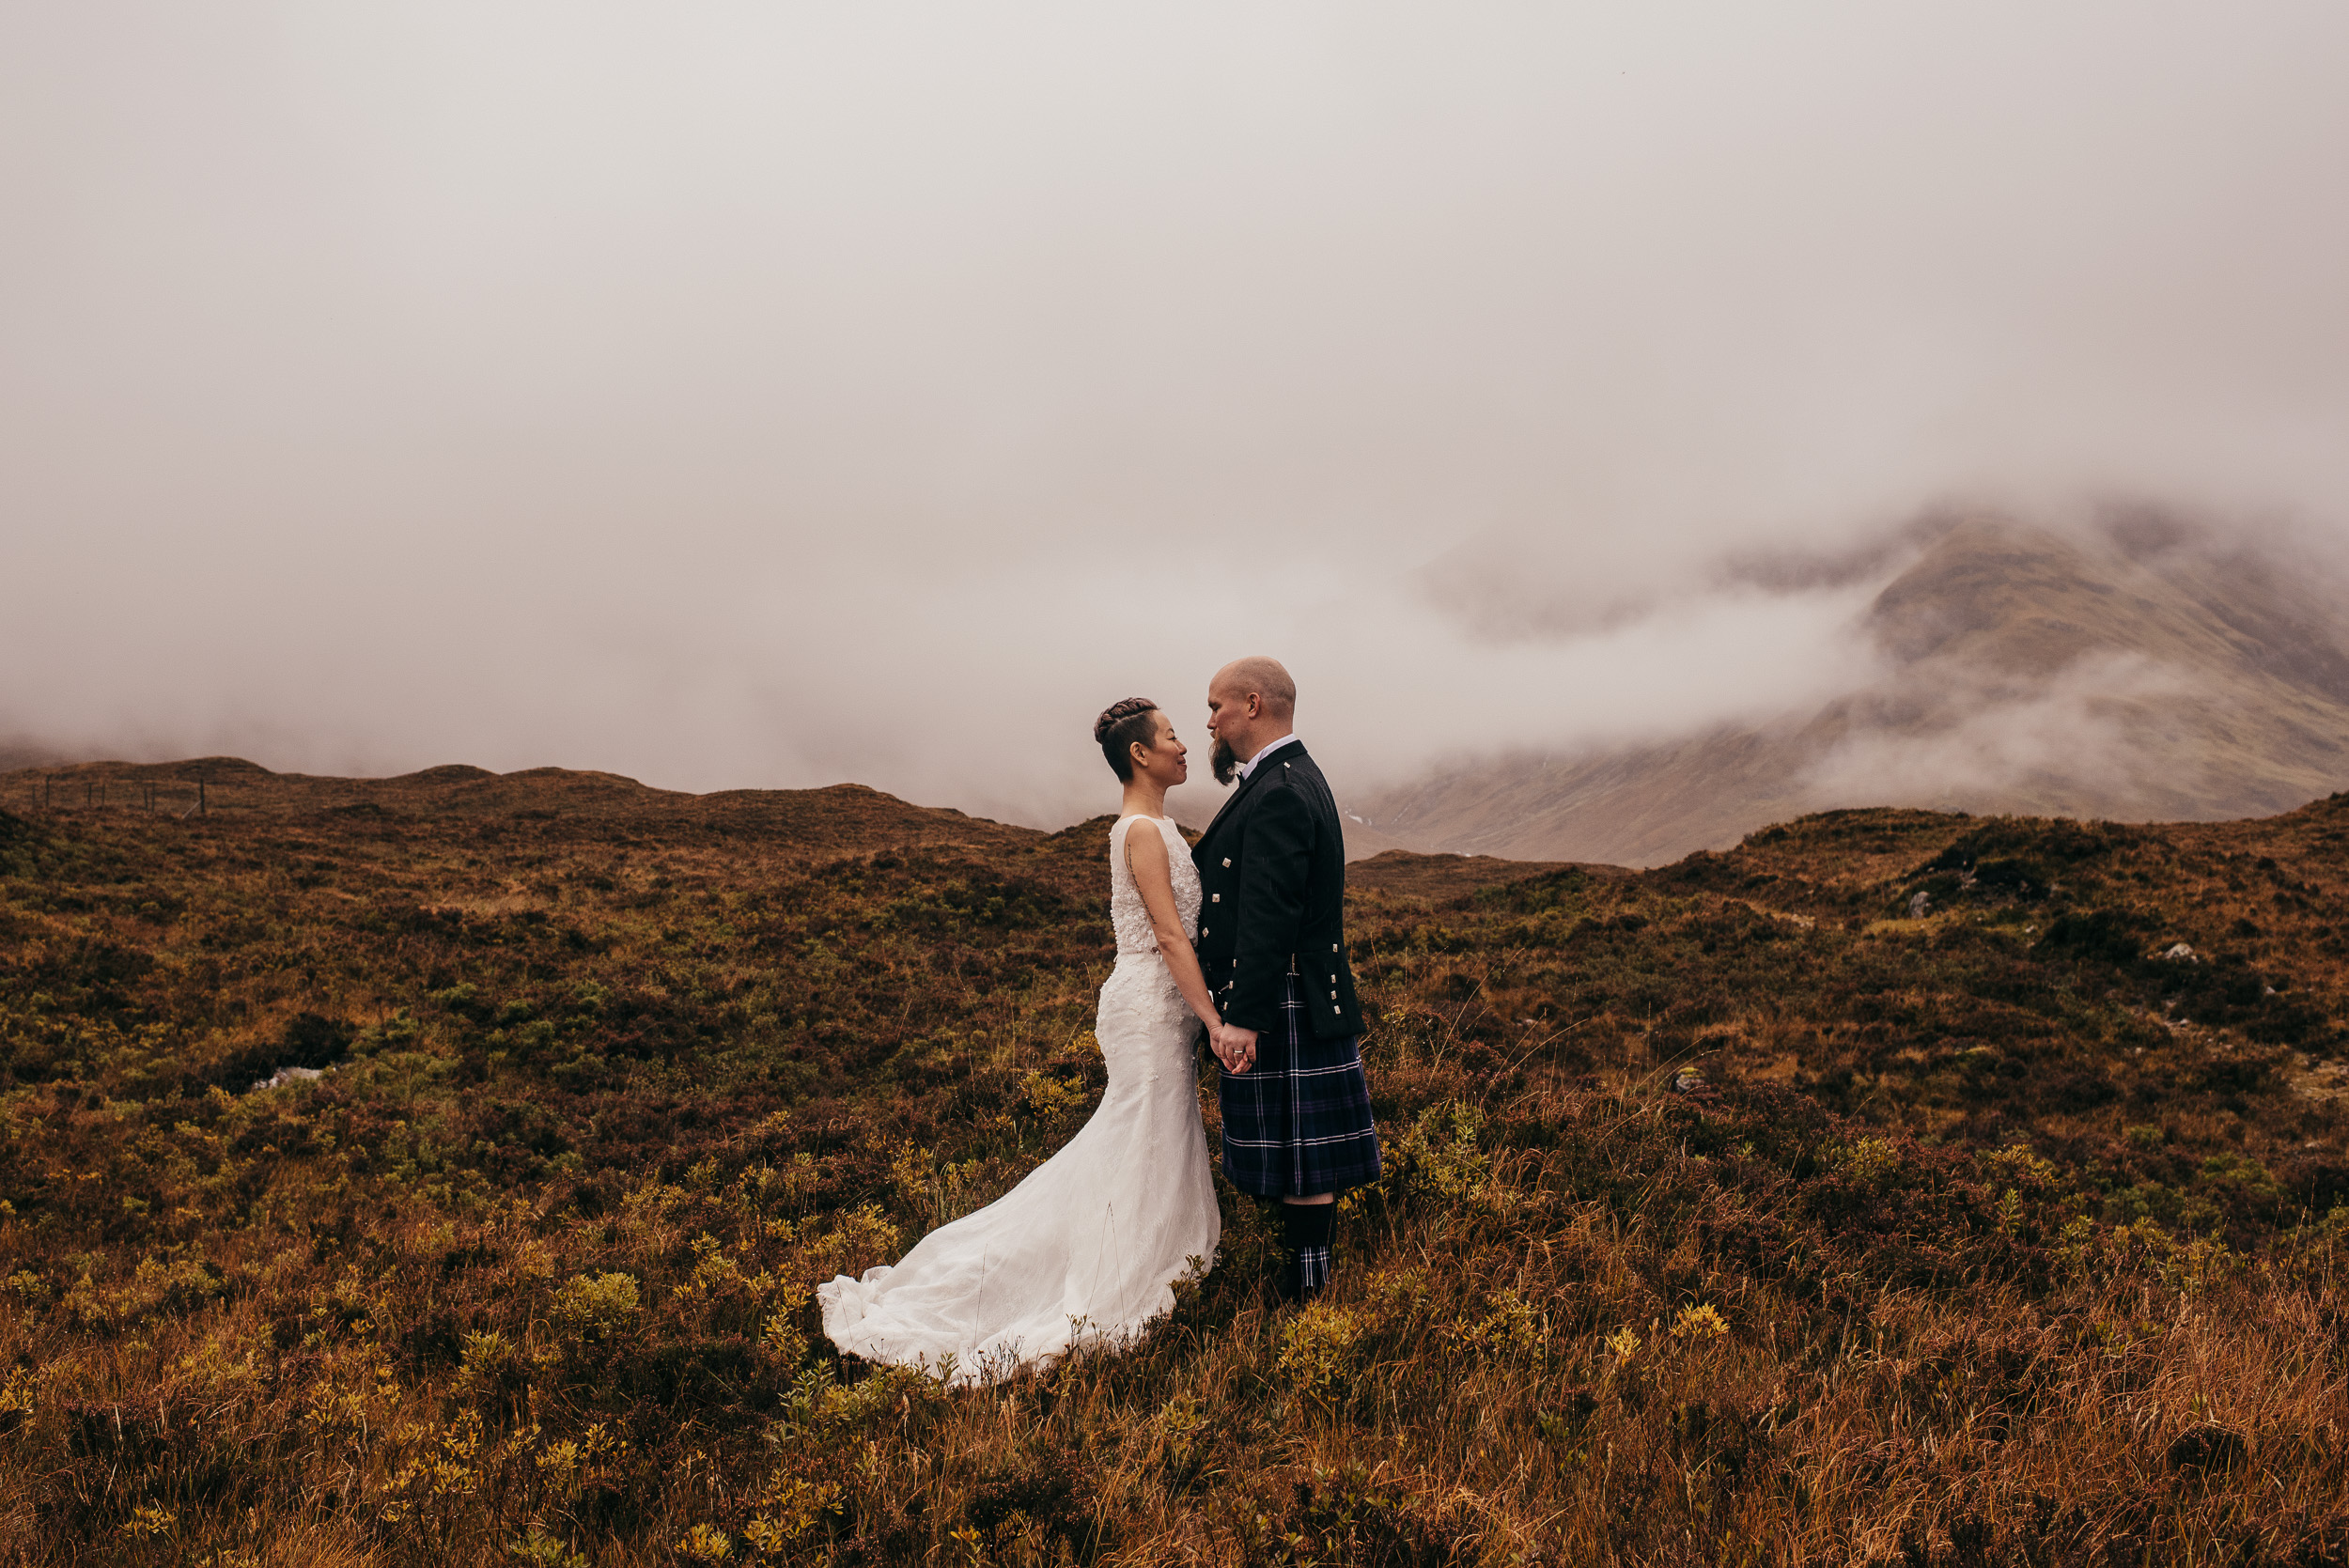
x: 1084, y: 1251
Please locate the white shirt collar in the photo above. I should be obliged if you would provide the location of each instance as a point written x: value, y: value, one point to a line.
x: 1249, y: 766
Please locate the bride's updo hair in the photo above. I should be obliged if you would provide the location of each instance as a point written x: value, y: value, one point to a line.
x: 1134, y: 721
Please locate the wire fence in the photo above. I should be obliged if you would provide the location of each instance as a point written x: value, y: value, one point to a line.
x: 167, y: 796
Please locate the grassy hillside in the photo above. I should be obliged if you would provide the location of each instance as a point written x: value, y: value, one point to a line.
x: 1733, y: 1215
x: 2142, y: 671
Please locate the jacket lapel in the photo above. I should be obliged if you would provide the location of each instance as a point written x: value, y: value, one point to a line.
x: 1231, y: 799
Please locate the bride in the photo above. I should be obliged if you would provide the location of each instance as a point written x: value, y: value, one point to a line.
x: 1084, y: 1251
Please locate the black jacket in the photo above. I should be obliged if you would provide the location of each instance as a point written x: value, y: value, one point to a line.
x: 1272, y: 886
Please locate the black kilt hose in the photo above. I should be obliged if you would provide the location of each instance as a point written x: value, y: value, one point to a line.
x: 1298, y: 1122
x: 1272, y: 940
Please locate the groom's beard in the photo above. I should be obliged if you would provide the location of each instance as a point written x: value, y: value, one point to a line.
x: 1224, y: 761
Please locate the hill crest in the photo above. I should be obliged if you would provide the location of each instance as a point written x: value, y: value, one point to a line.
x: 2139, y: 671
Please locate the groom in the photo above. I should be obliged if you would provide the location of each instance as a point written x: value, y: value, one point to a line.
x: 1297, y: 1125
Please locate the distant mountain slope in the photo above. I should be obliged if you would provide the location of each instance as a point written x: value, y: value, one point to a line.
x: 839, y: 819
x: 845, y: 818
x: 2138, y: 674
x: 1362, y: 841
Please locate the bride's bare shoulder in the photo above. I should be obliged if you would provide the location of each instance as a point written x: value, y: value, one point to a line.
x: 1146, y: 852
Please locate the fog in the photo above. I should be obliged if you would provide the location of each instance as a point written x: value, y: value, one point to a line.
x: 769, y: 396
x: 2041, y: 743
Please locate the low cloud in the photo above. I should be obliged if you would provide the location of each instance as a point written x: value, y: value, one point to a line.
x: 763, y: 397
x: 2073, y: 738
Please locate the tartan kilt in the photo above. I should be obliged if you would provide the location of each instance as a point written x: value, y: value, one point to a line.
x: 1298, y: 1122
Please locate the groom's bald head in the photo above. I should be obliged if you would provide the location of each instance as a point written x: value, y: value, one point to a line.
x: 1261, y: 678
x: 1251, y: 703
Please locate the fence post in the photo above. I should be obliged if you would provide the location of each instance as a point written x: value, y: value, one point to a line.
x: 201, y: 808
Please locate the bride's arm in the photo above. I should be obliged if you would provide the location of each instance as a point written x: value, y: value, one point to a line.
x: 1145, y: 855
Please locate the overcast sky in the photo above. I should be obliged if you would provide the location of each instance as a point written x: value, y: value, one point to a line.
x: 773, y: 395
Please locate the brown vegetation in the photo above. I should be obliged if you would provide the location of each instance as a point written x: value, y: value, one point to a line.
x: 1733, y: 1215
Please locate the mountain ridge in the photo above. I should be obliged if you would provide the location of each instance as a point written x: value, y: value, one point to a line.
x: 827, y: 821
x: 2136, y: 672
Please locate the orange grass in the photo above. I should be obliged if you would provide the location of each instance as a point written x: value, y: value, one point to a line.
x: 1730, y: 1217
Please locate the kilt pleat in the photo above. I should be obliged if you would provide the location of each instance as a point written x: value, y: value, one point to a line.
x: 1299, y: 1122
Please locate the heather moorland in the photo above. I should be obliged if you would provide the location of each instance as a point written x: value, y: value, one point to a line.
x: 437, y: 1170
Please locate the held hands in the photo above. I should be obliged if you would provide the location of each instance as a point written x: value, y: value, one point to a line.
x: 1234, y: 1046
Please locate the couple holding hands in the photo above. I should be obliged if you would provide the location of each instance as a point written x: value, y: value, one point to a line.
x: 1243, y: 934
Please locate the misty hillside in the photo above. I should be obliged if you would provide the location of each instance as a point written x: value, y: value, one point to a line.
x: 2136, y: 674
x: 839, y: 819
x: 434, y: 1173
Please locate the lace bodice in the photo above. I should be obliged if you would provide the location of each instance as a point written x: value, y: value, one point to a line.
x: 1126, y: 911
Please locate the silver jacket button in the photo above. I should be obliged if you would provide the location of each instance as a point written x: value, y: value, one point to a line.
x: 1227, y: 862
x: 1215, y: 898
